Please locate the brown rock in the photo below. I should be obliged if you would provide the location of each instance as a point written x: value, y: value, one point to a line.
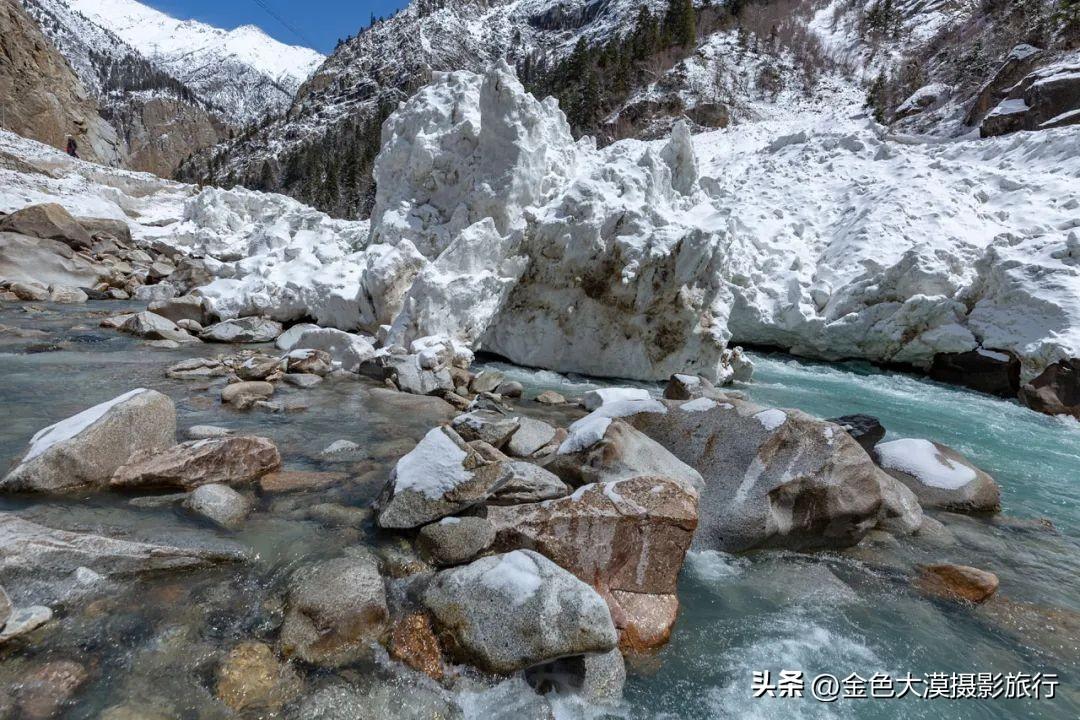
x: 252, y: 677
x: 243, y: 395
x: 630, y: 535
x: 996, y: 372
x: 49, y: 221
x: 957, y: 582
x: 46, y: 690
x: 413, y: 642
x: 550, y: 397
x: 226, y: 460
x: 1056, y: 391
x: 286, y: 481
x: 644, y: 621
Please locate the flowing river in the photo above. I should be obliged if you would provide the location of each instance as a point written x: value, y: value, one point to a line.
x: 153, y: 644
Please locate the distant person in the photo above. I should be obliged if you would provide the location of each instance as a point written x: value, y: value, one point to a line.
x: 72, y: 147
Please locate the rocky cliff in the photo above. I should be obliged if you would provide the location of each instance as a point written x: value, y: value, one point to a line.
x: 40, y: 96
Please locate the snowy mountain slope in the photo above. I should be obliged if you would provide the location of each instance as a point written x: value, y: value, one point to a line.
x: 244, y: 72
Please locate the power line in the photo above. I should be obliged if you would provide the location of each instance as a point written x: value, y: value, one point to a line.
x: 273, y: 13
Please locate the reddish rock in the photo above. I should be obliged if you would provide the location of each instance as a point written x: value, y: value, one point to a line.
x: 957, y: 582
x: 46, y: 690
x: 644, y: 621
x: 413, y: 642
x: 226, y: 460
x: 286, y: 481
x: 1056, y: 391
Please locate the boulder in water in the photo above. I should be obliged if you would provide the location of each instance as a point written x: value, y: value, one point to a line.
x: 243, y: 395
x: 225, y: 460
x: 1056, y: 391
x: 507, y: 612
x: 957, y: 582
x: 85, y: 450
x: 346, y: 349
x: 185, y: 307
x: 154, y: 327
x: 939, y: 476
x: 219, y: 504
x: 243, y: 330
x: 550, y: 397
x: 776, y: 478
x: 309, y: 362
x: 996, y: 372
x: 441, y: 476
x: 252, y: 678
x: 413, y: 642
x: 335, y: 611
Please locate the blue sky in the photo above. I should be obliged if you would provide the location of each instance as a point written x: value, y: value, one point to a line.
x: 321, y: 22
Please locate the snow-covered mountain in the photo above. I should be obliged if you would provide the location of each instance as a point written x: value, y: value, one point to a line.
x: 244, y: 73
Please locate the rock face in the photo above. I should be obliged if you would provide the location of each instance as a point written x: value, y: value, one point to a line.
x: 1046, y: 98
x: 939, y: 476
x: 988, y: 371
x: 1056, y: 391
x: 85, y: 450
x: 335, y: 611
x: 778, y: 478
x: 46, y: 558
x: 41, y: 96
x: 629, y: 535
x: 507, y: 612
x: 442, y: 475
x: 48, y: 221
x: 957, y: 582
x: 226, y: 460
x: 160, y: 131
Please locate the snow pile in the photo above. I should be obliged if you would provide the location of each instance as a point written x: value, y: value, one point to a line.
x: 921, y: 460
x: 433, y: 468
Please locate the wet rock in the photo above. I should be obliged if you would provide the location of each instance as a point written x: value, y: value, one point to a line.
x: 44, y: 692
x: 550, y: 397
x: 185, y: 307
x: 243, y: 395
x: 867, y: 430
x: 939, y: 476
x: 205, y: 432
x: 957, y: 582
x: 628, y: 535
x: 510, y: 389
x: 197, y: 369
x: 620, y: 452
x: 49, y: 221
x: 507, y: 612
x: 154, y: 327
x: 776, y: 478
x: 335, y: 611
x: 24, y: 621
x: 85, y: 450
x: 298, y: 481
x: 339, y: 515
x: 528, y: 483
x: 47, y: 559
x: 407, y: 374
x: 219, y: 504
x: 348, y: 350
x: 227, y: 460
x: 413, y: 642
x: 67, y: 295
x: 644, y: 620
x: 441, y: 476
x: 487, y: 381
x: 258, y: 367
x: 454, y: 540
x: 243, y: 330
x: 1056, y: 391
x: 309, y: 362
x: 996, y: 372
x: 599, y: 678
x: 339, y: 448
x: 530, y: 437
x: 302, y: 381
x: 400, y: 698
x: 494, y: 428
x: 252, y: 678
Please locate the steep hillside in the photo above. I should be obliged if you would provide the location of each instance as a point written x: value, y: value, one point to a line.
x: 159, y: 119
x: 41, y: 98
x: 244, y: 73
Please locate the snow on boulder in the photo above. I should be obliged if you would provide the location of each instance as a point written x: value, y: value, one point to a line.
x: 85, y: 450
x: 595, y: 398
x: 442, y: 475
x: 938, y: 475
x: 505, y: 613
x: 243, y: 330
